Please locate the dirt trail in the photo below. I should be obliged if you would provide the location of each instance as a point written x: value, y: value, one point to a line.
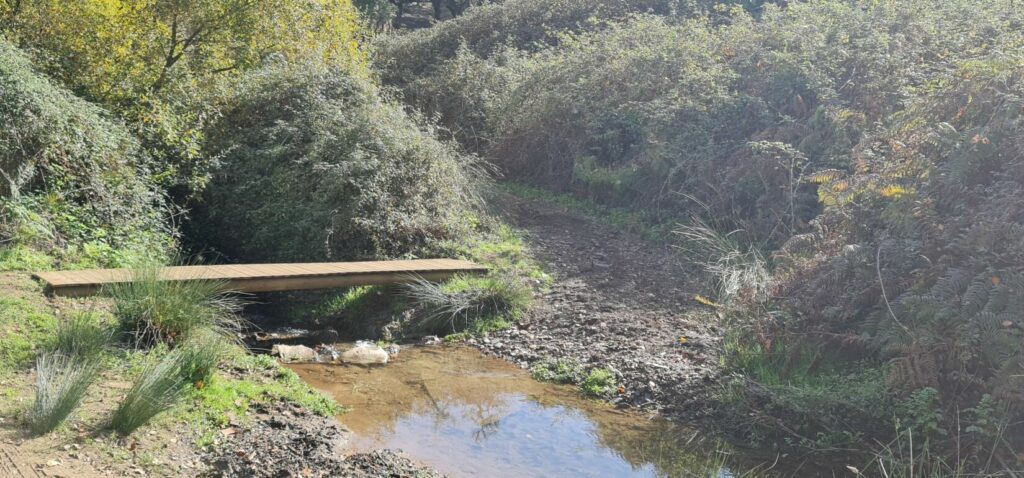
x: 618, y: 301
x: 13, y: 465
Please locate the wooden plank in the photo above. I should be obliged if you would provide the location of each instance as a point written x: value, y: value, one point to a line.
x: 270, y: 277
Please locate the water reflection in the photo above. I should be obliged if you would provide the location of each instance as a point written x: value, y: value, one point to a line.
x: 471, y: 415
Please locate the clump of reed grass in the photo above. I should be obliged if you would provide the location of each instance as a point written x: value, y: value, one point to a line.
x: 61, y: 383
x: 200, y: 354
x: 82, y: 335
x: 156, y: 389
x: 741, y: 273
x: 155, y: 310
x: 462, y: 301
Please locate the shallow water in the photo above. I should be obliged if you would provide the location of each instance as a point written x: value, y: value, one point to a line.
x: 468, y: 415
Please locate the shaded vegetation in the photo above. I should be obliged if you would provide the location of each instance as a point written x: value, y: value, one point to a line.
x: 74, y: 180
x: 317, y: 166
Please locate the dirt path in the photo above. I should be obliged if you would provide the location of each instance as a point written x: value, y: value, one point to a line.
x: 619, y: 302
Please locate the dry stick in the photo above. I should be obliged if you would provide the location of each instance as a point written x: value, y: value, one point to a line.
x: 881, y: 284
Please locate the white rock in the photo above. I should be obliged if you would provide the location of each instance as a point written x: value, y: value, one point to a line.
x: 365, y: 354
x: 294, y: 353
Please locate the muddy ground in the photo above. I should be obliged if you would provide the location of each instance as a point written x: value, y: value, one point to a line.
x: 286, y: 441
x: 619, y: 302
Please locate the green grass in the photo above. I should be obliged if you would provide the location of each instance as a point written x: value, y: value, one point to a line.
x: 167, y: 311
x: 562, y: 371
x: 156, y: 389
x: 224, y: 399
x: 597, y: 383
x: 25, y: 328
x: 477, y: 304
x: 651, y: 225
x: 796, y: 397
x: 83, y: 335
x: 480, y: 304
x: 201, y: 352
x: 61, y: 383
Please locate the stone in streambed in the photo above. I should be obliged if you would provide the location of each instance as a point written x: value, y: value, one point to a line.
x: 365, y: 354
x: 294, y: 353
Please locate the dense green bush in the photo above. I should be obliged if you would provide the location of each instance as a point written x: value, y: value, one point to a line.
x: 526, y: 24
x: 72, y: 178
x: 317, y: 165
x: 656, y: 111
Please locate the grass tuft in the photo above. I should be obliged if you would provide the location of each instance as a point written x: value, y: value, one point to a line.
x: 467, y: 302
x: 82, y: 335
x: 157, y: 388
x: 61, y: 383
x: 167, y: 311
x: 741, y: 272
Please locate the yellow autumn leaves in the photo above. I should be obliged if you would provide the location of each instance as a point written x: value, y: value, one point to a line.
x: 112, y: 50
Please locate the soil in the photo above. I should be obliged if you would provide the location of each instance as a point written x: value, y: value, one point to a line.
x: 618, y: 302
x: 287, y: 441
x: 83, y: 448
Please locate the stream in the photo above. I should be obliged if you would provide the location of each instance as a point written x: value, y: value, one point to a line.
x: 467, y: 414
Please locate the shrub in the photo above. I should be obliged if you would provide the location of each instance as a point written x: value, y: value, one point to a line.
x: 72, y: 177
x: 653, y: 111
x: 155, y: 310
x: 523, y: 24
x: 156, y: 389
x: 83, y: 336
x: 61, y: 383
x: 916, y: 258
x: 316, y: 165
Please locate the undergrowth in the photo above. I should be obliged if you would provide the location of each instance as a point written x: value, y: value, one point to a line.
x: 653, y: 224
x: 83, y: 335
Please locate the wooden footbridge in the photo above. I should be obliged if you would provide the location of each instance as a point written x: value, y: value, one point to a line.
x: 269, y: 277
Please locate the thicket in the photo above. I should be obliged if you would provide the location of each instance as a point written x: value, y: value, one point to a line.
x: 655, y: 111
x: 867, y: 153
x: 73, y: 177
x: 162, y: 66
x: 318, y: 166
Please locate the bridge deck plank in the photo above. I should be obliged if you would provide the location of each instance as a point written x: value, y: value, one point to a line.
x: 269, y: 277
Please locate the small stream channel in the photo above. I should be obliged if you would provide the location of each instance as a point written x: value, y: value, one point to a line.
x: 468, y: 415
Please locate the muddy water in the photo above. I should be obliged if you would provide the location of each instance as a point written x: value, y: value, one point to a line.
x: 470, y: 415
